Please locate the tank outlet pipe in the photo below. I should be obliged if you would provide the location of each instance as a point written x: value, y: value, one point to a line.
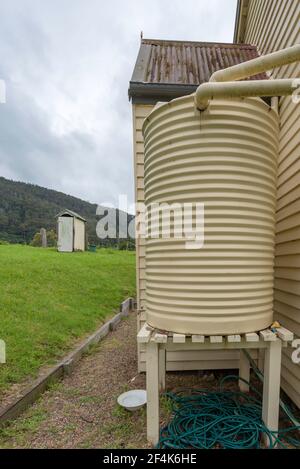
x: 258, y: 65
x: 218, y: 81
x: 243, y: 89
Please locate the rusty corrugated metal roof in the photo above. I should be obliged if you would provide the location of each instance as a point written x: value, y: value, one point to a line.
x: 182, y: 63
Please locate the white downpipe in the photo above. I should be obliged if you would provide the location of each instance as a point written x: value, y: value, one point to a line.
x: 233, y: 89
x: 220, y: 86
x: 275, y: 104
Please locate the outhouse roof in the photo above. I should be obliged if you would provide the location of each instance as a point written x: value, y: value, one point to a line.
x: 71, y: 214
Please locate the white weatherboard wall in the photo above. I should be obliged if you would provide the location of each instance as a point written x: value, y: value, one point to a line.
x: 176, y: 360
x: 65, y: 234
x: 79, y: 235
x: 140, y: 112
x: 274, y: 25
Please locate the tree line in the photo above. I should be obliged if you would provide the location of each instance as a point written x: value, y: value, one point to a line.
x: 26, y: 208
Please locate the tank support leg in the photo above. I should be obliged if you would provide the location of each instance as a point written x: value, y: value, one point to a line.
x: 260, y: 361
x: 152, y: 383
x: 244, y: 372
x: 271, y: 391
x: 162, y: 367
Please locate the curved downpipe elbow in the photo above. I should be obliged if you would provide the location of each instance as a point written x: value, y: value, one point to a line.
x: 258, y: 65
x: 243, y: 89
x: 223, y: 83
x: 203, y: 95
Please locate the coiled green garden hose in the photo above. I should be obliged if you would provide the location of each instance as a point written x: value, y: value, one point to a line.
x: 206, y: 419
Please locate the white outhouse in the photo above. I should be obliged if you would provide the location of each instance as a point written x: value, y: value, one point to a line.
x: 71, y: 231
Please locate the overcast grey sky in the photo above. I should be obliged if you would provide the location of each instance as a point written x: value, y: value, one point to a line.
x: 67, y: 122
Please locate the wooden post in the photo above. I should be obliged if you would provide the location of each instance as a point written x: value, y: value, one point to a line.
x: 152, y: 392
x: 2, y: 351
x: 162, y: 367
x: 43, y: 233
x: 271, y: 391
x: 244, y: 372
x: 260, y: 360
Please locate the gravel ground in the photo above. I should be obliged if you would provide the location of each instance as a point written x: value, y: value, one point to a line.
x: 81, y: 411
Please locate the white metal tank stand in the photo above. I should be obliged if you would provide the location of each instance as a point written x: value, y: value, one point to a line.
x: 271, y: 343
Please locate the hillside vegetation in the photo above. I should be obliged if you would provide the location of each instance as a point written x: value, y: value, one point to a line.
x: 26, y: 208
x: 50, y: 299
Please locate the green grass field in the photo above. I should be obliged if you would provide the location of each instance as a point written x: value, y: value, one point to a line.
x: 50, y: 299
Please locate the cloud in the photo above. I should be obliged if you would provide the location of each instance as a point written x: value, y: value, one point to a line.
x: 67, y: 63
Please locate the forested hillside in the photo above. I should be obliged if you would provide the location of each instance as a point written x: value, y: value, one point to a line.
x: 26, y: 208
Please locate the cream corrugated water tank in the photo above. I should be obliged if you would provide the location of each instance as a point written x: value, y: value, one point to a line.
x: 226, y: 159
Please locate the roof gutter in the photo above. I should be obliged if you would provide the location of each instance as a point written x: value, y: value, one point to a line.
x: 153, y: 92
x: 216, y: 88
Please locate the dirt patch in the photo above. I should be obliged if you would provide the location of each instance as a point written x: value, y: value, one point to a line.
x: 81, y: 411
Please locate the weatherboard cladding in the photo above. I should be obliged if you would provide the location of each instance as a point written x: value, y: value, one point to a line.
x: 186, y: 64
x: 274, y: 25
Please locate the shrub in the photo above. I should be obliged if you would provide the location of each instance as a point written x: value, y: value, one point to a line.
x: 51, y: 239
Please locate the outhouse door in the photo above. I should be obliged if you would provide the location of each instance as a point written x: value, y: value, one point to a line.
x: 65, y: 234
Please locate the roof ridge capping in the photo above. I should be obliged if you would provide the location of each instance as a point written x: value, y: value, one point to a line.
x: 230, y: 45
